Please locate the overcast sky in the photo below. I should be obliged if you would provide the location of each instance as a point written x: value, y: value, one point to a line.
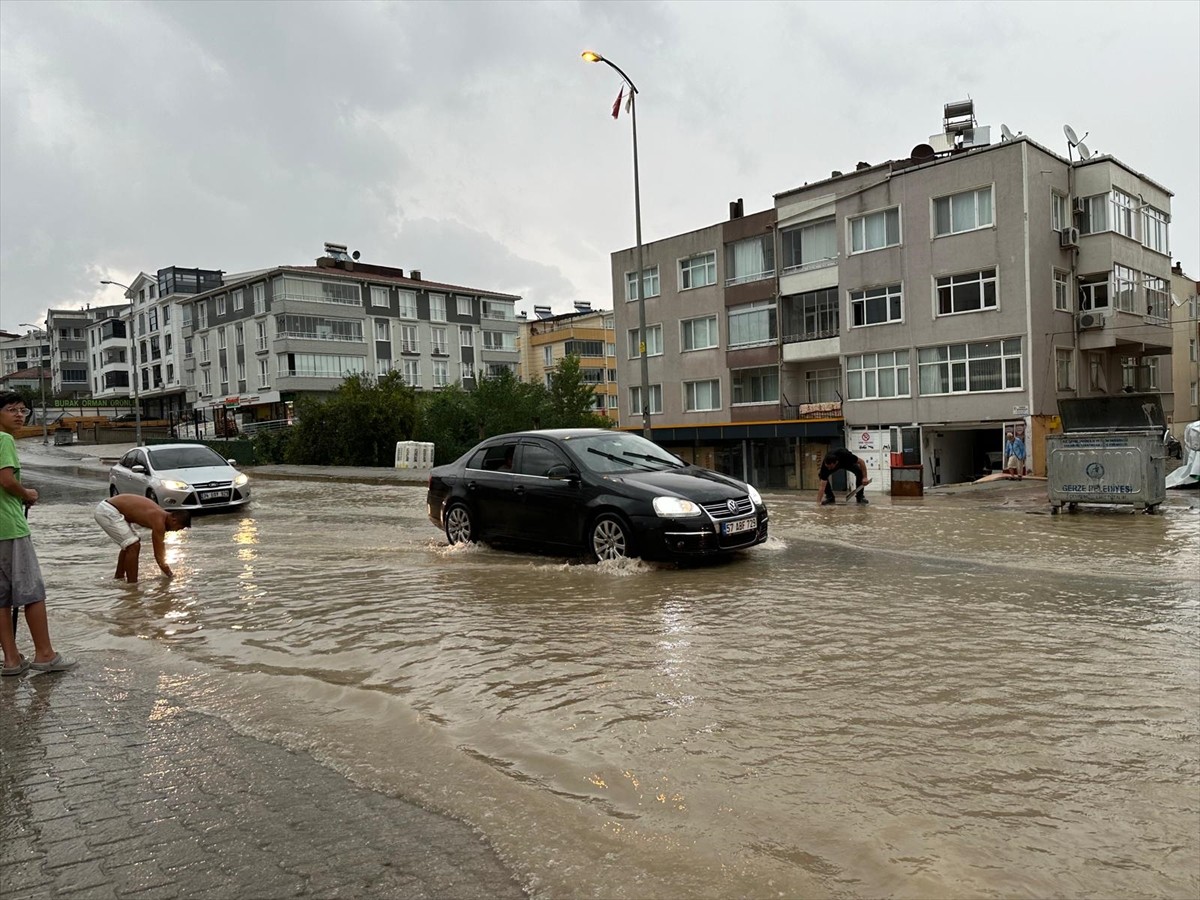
x: 470, y: 141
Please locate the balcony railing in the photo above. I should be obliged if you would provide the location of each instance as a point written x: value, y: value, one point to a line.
x: 829, y: 410
x: 815, y: 335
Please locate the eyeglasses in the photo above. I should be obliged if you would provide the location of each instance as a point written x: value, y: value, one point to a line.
x: 16, y: 410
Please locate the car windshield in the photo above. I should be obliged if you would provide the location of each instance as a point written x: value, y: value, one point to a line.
x: 615, y: 452
x: 185, y: 458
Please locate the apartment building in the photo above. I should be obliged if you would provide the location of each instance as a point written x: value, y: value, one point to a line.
x: 69, y: 349
x: 257, y: 341
x: 918, y: 306
x: 24, y: 351
x: 586, y: 333
x: 1185, y: 356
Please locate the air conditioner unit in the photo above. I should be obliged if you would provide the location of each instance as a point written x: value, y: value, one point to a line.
x: 1090, y: 320
x: 1077, y: 206
x: 1069, y: 237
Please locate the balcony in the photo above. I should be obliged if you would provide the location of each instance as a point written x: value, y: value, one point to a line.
x: 830, y: 410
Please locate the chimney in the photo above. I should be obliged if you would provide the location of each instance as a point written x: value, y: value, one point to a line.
x: 1177, y: 269
x: 835, y: 174
x: 414, y: 274
x: 861, y: 166
x: 736, y: 209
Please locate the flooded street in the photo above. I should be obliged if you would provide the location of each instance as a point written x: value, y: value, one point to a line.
x: 936, y: 698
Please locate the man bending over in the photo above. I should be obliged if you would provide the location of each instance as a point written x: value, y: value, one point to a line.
x: 841, y: 458
x: 117, y: 513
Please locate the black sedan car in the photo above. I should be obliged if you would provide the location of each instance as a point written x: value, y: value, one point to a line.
x: 612, y: 494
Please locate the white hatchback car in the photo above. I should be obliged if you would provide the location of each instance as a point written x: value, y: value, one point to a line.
x: 180, y: 476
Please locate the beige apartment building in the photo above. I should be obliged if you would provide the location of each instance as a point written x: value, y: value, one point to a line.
x: 547, y: 339
x: 911, y: 310
x: 1185, y: 357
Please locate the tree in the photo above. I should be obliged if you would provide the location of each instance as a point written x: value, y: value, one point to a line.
x: 358, y: 425
x: 571, y: 401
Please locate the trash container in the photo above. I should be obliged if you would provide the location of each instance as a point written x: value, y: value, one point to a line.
x: 63, y: 436
x: 1110, y: 451
x: 908, y: 481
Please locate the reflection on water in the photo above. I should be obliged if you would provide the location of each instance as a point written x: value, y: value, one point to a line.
x: 917, y: 700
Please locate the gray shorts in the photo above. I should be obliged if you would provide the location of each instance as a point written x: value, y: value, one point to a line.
x: 20, y: 575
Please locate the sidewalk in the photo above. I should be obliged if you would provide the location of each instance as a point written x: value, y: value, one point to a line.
x: 111, y: 790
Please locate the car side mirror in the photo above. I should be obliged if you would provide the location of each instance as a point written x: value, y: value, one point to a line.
x: 232, y: 462
x: 139, y: 468
x: 562, y: 473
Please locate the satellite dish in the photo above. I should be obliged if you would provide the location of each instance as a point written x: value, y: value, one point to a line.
x: 356, y: 254
x: 1005, y: 133
x: 1072, y: 138
x: 1084, y: 152
x: 922, y: 152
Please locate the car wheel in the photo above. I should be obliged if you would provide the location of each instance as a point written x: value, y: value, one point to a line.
x: 112, y: 490
x: 609, y: 538
x: 459, y: 528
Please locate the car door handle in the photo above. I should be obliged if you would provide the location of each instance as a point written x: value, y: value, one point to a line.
x: 519, y: 489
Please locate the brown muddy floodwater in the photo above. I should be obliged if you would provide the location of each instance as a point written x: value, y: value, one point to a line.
x: 915, y: 699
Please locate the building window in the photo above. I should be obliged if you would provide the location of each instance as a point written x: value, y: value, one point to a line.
x: 1192, y: 350
x: 811, y: 316
x: 1094, y: 218
x: 382, y: 332
x: 221, y: 305
x: 649, y: 281
x: 201, y: 315
x: 409, y: 342
x: 466, y: 371
x: 220, y: 338
x: 548, y: 356
x: 1125, y: 286
x: 971, y: 292
x: 261, y: 335
x: 752, y: 324
x: 701, y: 396
x: 408, y: 305
x: 412, y: 372
x: 1157, y: 298
x: 441, y: 373
x: 1093, y: 292
x: 320, y: 365
x: 876, y: 306
x: 463, y: 305
x: 752, y: 259
x: 875, y: 231
x: 437, y: 308
x: 204, y: 349
x: 874, y: 376
x: 970, y: 368
x: 759, y: 385
x: 500, y: 340
x: 379, y: 296
x: 238, y: 301
x: 260, y: 299
x: 316, y: 328
x: 241, y: 372
x: 1124, y: 214
x: 1058, y: 211
x: 438, y: 341
x: 1064, y: 368
x: 822, y: 386
x: 654, y: 341
x: 1062, y: 290
x: 1155, y: 230
x: 153, y: 318
x: 504, y: 310
x: 465, y: 337
x: 809, y: 245
x: 264, y: 373
x: 635, y: 400
x: 698, y: 334
x: 698, y: 271
x: 962, y: 212
x: 238, y: 338
x: 1097, y: 377
x: 1139, y: 374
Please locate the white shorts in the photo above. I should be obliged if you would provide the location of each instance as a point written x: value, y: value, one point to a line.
x: 1014, y: 463
x: 110, y: 519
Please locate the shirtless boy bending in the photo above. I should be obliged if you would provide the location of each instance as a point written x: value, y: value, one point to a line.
x: 117, y: 513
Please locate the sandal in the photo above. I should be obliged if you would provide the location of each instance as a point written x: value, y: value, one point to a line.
x: 19, y: 669
x: 59, y: 664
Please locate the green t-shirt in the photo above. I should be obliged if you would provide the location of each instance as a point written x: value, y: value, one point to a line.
x: 12, y: 509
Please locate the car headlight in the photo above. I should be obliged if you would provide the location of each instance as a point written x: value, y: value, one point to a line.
x: 755, y: 496
x: 176, y: 485
x: 675, y: 507
x: 241, y: 479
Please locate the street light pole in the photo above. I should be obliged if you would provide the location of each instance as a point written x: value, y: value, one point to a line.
x: 639, y: 279
x: 41, y: 382
x: 137, y: 400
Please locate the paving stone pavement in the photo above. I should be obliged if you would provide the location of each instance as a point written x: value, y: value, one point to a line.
x: 110, y: 790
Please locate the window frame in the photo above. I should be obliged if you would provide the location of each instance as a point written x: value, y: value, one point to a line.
x: 649, y: 273
x: 975, y: 208
x: 956, y: 366
x: 863, y: 370
x: 861, y: 297
x: 715, y: 333
x: 1061, y: 303
x: 760, y: 374
x: 853, y: 222
x: 944, y: 289
x: 690, y: 395
x: 688, y: 266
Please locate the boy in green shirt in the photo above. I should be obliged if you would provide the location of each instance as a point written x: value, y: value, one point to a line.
x: 20, y: 576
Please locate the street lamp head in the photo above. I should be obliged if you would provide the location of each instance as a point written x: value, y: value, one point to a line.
x: 592, y: 56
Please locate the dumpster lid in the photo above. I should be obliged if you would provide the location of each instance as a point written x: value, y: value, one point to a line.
x: 1120, y: 412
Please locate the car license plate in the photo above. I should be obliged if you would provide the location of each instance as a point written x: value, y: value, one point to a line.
x: 214, y: 495
x: 739, y: 526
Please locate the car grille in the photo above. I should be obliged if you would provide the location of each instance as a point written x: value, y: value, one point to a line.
x: 742, y: 507
x: 210, y: 485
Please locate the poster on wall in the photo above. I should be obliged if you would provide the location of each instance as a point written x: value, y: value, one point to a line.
x: 1017, y: 460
